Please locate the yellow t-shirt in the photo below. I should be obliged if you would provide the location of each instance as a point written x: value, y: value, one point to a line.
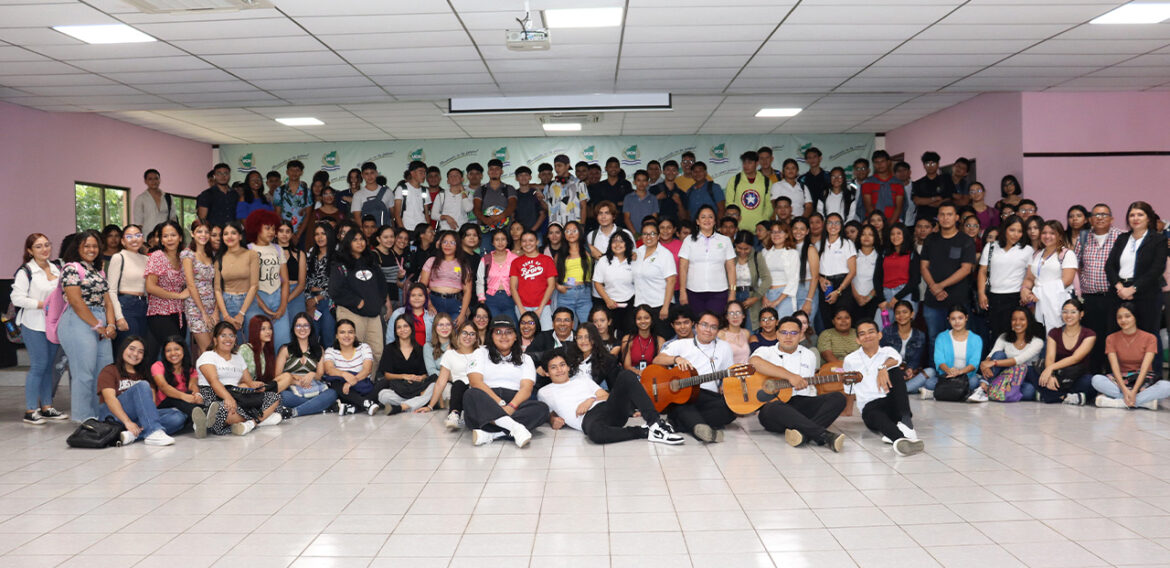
x: 685, y: 182
x: 573, y: 270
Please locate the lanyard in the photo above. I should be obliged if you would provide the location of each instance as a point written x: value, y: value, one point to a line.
x: 711, y: 357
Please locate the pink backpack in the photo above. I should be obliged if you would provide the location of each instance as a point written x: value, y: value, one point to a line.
x: 55, y: 305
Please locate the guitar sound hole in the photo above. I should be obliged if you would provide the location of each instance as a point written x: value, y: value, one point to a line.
x: 763, y: 396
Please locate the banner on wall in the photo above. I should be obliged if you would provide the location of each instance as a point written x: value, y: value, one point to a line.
x: 720, y: 152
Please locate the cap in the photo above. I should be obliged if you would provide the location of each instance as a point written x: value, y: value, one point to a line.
x: 561, y: 159
x: 502, y: 321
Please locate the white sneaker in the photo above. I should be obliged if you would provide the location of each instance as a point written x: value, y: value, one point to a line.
x: 454, y: 420
x: 907, y: 431
x: 926, y: 394
x: 242, y: 428
x: 159, y: 438
x: 373, y: 408
x: 659, y: 433
x: 1152, y: 405
x: 272, y: 420
x: 887, y: 440
x: 1106, y: 402
x: 979, y: 395
x: 343, y: 408
x: 521, y: 436
x: 126, y: 438
x: 1075, y: 399
x: 481, y: 437
x: 907, y: 447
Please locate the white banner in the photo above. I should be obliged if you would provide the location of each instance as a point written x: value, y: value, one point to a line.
x: 720, y: 152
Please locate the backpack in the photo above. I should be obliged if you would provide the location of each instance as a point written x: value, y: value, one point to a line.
x: 10, y: 315
x: 96, y: 434
x: 55, y: 306
x: 952, y: 389
x: 376, y: 207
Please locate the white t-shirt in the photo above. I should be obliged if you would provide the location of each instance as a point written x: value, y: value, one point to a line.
x: 1128, y: 259
x: 564, y: 398
x: 1049, y: 269
x: 650, y: 274
x: 706, y: 258
x: 456, y: 363
x: 229, y: 372
x: 801, y: 362
x: 866, y: 266
x: 1008, y: 267
x: 502, y: 375
x: 414, y: 202
x: 600, y: 240
x: 352, y: 365
x: 835, y: 259
x: 867, y: 390
x: 456, y: 207
x: 833, y: 203
x: 798, y: 193
x: 960, y: 349
x: 706, y: 359
x: 618, y: 278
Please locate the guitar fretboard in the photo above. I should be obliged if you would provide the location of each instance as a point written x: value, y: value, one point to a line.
x: 813, y: 380
x: 699, y: 379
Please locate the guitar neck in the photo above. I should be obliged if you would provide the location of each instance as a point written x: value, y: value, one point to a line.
x: 700, y: 379
x: 813, y: 380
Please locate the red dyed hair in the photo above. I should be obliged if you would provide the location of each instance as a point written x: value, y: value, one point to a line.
x: 267, y: 352
x: 257, y: 220
x: 28, y: 243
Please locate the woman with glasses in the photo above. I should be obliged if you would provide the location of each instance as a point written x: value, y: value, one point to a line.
x: 481, y: 317
x: 838, y: 264
x: 442, y: 339
x: 32, y: 284
x: 1066, y: 376
x: 613, y: 278
x: 734, y: 333
x: 302, y: 366
x: 126, y: 272
x: 1050, y: 276
x: 529, y: 330
x: 499, y: 402
x: 452, y: 381
x: 655, y: 275
x: 766, y: 335
x: 988, y: 216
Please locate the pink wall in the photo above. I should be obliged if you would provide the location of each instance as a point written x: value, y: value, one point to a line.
x: 42, y: 154
x: 986, y: 128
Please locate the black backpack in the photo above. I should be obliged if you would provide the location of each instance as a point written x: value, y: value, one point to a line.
x: 376, y: 207
x: 952, y: 389
x: 96, y: 434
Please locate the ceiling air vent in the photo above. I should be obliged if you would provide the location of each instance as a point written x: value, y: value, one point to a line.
x: 196, y: 6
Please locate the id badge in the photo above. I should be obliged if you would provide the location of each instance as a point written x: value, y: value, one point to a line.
x: 641, y: 366
x: 571, y: 281
x: 316, y: 315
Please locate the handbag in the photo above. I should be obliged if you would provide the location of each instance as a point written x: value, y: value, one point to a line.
x: 96, y: 434
x: 362, y: 387
x: 1067, y: 377
x: 251, y: 399
x: 952, y: 389
x: 1005, y: 387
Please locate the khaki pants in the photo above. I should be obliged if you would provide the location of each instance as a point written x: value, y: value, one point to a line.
x: 368, y: 330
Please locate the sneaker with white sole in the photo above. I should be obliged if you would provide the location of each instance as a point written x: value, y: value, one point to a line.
x: 373, y: 408
x: 907, y: 431
x: 51, y: 413
x: 343, y: 408
x: 126, y: 438
x: 159, y: 438
x: 242, y: 428
x: 704, y: 433
x: 979, y: 395
x: 481, y: 437
x: 199, y: 422
x: 34, y: 417
x: 1074, y: 399
x: 661, y: 433
x: 1152, y: 405
x: 272, y: 420
x: 926, y: 394
x: 1107, y: 402
x: 887, y: 440
x: 521, y: 436
x: 907, y: 447
x: 454, y: 420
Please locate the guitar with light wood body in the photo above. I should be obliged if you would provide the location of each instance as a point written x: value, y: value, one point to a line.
x: 745, y: 395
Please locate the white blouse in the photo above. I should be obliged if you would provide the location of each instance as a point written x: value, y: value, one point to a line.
x: 1006, y: 268
x: 27, y: 293
x: 502, y: 375
x: 1128, y: 261
x: 706, y: 258
x: 835, y: 259
x: 617, y: 278
x: 866, y: 266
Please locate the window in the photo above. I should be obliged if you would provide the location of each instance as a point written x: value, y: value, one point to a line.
x: 98, y: 205
x: 184, y: 207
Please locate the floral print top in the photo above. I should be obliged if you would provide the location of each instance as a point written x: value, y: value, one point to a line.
x: 93, y: 285
x: 170, y: 279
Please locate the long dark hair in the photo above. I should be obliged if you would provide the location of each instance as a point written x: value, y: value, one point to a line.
x: 405, y: 318
x: 141, y: 368
x: 73, y: 252
x: 178, y: 229
x: 515, y: 355
x: 186, y: 365
x: 625, y: 238
x: 562, y: 254
x: 803, y: 246
x: 294, y: 345
x: 194, y: 246
x: 459, y: 256
x: 1001, y: 239
x: 345, y: 251
x: 695, y: 233
x: 602, y: 360
x: 266, y: 352
x: 1029, y: 329
x: 825, y: 234
x: 249, y: 195
x: 330, y: 241
x: 1003, y: 185
x: 357, y: 342
x: 907, y: 240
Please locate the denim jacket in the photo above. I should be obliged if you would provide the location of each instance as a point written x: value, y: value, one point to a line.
x: 914, y: 346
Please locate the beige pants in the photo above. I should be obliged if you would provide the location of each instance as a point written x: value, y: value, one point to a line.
x: 368, y: 330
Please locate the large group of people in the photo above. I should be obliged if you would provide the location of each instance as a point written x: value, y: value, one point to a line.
x: 542, y: 303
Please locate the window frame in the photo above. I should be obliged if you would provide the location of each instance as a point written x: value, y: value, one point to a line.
x: 105, y: 219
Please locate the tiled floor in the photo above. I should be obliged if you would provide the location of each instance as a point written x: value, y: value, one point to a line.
x: 998, y: 486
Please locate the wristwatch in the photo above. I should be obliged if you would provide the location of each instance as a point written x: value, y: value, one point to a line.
x: 502, y: 403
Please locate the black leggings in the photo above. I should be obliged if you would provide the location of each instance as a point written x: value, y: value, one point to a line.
x: 458, y: 389
x: 884, y: 414
x: 606, y: 422
x: 810, y: 415
x: 162, y: 327
x: 999, y: 312
x: 482, y: 412
x: 352, y: 398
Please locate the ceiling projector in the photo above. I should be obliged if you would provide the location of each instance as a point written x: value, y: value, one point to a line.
x: 535, y: 39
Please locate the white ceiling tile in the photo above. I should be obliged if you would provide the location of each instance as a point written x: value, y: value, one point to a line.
x: 36, y: 36
x: 419, y: 68
x: 331, y: 8
x: 143, y: 64
x: 193, y: 87
x: 43, y: 15
x: 225, y: 29
x: 987, y: 32
x: 691, y: 16
x: 315, y: 72
x: 1050, y: 59
x: 306, y: 83
x: 671, y: 34
x: 1063, y: 13
x: 108, y: 51
x: 171, y: 77
x: 807, y: 48
x: 269, y: 60
x: 739, y: 48
x: 944, y: 48
x: 274, y: 44
x: 873, y: 12
x: 81, y: 79
x: 357, y: 24
x: 1095, y: 46
x: 23, y: 68
x: 394, y: 40
x: 359, y: 56
x: 13, y: 53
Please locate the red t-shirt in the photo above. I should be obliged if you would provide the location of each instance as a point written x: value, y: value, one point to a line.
x: 895, y: 270
x: 872, y: 187
x: 533, y: 274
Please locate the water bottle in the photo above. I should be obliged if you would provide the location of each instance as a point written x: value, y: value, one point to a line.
x: 885, y: 317
x: 829, y: 290
x: 9, y: 327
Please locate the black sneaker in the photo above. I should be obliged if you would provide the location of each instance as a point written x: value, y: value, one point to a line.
x: 34, y: 417
x: 286, y: 412
x: 833, y: 440
x: 51, y: 413
x: 393, y: 409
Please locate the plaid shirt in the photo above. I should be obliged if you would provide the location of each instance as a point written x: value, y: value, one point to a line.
x: 1092, y: 259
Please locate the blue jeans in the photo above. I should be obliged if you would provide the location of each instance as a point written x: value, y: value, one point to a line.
x: 295, y: 305
x: 88, y: 354
x: 1083, y: 385
x: 888, y: 295
x: 326, y: 325
x: 936, y: 323
x: 501, y: 303
x: 545, y: 315
x: 741, y: 296
x: 138, y: 404
x: 1106, y: 387
x: 784, y: 309
x: 279, y: 326
x: 233, y: 303
x: 38, y: 384
x: 449, y: 306
x: 579, y: 299
x: 305, y: 406
x: 920, y: 380
x: 134, y: 312
x: 801, y: 297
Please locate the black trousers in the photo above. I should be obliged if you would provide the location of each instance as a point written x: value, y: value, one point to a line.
x: 606, y: 422
x: 810, y: 415
x: 884, y: 414
x: 351, y: 398
x: 480, y: 411
x: 999, y: 313
x: 162, y: 327
x: 708, y: 408
x: 844, y: 300
x: 1099, y: 317
x: 458, y: 390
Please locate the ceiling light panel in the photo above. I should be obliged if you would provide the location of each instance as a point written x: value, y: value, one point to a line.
x: 1136, y: 13
x: 105, y: 33
x: 584, y: 17
x: 300, y: 121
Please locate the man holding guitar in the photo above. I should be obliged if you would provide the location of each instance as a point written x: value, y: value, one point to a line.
x: 881, y: 394
x: 806, y: 416
x: 707, y: 414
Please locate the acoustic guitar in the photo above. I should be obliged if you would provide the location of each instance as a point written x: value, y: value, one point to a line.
x: 675, y: 386
x: 745, y: 395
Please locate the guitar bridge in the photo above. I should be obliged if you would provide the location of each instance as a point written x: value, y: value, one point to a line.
x: 744, y: 388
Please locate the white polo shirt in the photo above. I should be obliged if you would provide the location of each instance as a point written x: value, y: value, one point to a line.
x: 617, y: 277
x: 650, y: 274
x: 801, y: 362
x: 835, y: 259
x: 798, y: 193
x: 1007, y: 267
x: 867, y: 390
x: 707, y: 256
x: 705, y: 358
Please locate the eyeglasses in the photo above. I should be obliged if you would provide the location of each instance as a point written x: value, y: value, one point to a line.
x: 504, y: 332
x: 1028, y: 210
x: 1101, y: 215
x: 930, y: 163
x: 1069, y: 312
x: 866, y: 333
x: 769, y: 318
x: 972, y: 225
x: 134, y: 237
x: 735, y: 313
x: 788, y: 333
x: 443, y: 324
x: 468, y: 334
x: 708, y: 326
x: 570, y: 231
x: 527, y: 323
x: 480, y: 317
x: 833, y: 223
x: 649, y: 234
x: 302, y: 326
